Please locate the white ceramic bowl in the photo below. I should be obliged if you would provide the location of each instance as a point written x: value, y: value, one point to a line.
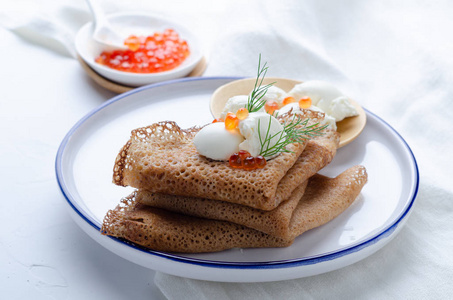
x: 138, y: 24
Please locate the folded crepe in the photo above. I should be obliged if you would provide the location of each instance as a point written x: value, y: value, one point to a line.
x: 273, y: 222
x: 161, y: 230
x: 158, y: 229
x: 162, y: 158
x: 276, y: 222
x: 316, y: 155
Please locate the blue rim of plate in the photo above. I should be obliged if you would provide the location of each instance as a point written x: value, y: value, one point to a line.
x: 223, y: 264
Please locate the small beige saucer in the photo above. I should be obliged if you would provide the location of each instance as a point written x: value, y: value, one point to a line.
x: 349, y: 128
x: 120, y: 88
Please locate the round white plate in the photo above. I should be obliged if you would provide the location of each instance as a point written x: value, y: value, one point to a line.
x: 85, y: 161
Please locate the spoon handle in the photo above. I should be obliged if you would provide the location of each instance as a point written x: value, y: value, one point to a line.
x: 99, y: 19
x: 103, y: 32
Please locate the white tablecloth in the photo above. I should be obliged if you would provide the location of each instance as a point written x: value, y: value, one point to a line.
x: 394, y: 57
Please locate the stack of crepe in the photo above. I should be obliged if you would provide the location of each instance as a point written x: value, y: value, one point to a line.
x: 185, y: 202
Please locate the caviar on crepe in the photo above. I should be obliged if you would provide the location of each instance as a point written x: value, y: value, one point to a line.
x: 152, y: 54
x: 243, y: 160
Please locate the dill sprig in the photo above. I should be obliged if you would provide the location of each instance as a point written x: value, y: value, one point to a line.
x: 296, y: 130
x: 255, y: 100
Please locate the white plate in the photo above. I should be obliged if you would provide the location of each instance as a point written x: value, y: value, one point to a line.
x: 84, y: 170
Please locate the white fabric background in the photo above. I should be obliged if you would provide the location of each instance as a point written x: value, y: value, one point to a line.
x: 394, y: 57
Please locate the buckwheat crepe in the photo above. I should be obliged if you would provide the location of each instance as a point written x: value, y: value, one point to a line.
x: 158, y: 229
x: 161, y: 230
x: 275, y: 222
x: 317, y: 154
x: 162, y: 158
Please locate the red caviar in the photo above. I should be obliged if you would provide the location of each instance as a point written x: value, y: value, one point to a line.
x: 156, y: 53
x: 242, y: 113
x: 249, y: 163
x: 260, y: 162
x: 231, y: 121
x: 271, y: 106
x: 235, y: 161
x: 243, y: 154
x: 244, y: 160
x: 305, y: 102
x: 288, y: 100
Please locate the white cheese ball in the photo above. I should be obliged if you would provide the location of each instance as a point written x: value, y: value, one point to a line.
x: 340, y: 108
x: 326, y: 97
x: 276, y: 94
x: 216, y: 142
x: 233, y: 104
x: 252, y: 134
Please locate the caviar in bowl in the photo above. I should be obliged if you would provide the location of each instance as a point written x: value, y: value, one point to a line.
x: 139, y: 24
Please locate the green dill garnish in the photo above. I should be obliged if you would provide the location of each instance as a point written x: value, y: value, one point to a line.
x: 294, y: 131
x: 255, y: 101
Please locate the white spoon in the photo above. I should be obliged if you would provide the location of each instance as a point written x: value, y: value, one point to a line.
x: 349, y: 128
x: 103, y: 32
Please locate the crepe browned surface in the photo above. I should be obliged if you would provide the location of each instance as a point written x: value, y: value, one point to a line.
x: 324, y: 199
x: 274, y: 222
x: 162, y: 158
x: 318, y: 153
x: 162, y: 230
